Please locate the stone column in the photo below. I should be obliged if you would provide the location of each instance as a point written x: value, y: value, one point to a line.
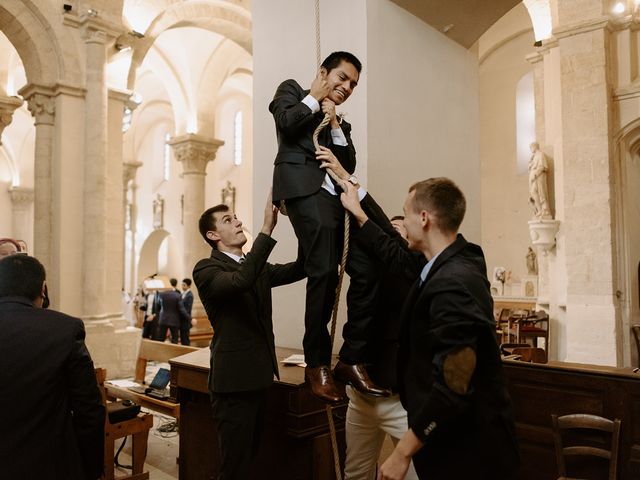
x: 21, y: 200
x: 96, y: 231
x: 129, y: 182
x: 41, y: 104
x: 194, y: 152
x: 7, y: 106
x: 592, y: 310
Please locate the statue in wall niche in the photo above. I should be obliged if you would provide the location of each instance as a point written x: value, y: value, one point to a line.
x: 538, y: 193
x: 532, y: 262
x: 158, y: 212
x: 229, y: 196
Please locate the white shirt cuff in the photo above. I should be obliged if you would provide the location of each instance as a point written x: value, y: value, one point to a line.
x: 361, y: 193
x: 312, y: 103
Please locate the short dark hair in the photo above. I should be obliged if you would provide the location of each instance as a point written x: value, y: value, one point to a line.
x: 186, y: 281
x: 21, y: 276
x: 207, y: 222
x: 336, y: 58
x: 443, y: 199
x: 173, y: 281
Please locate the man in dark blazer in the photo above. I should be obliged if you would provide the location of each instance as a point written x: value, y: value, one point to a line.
x: 53, y: 417
x: 314, y: 208
x: 460, y: 417
x: 187, y: 301
x: 172, y: 312
x: 235, y: 290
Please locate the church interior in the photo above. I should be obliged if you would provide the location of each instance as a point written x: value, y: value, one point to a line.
x: 122, y: 121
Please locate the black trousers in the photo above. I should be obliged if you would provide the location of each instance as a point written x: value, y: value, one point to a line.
x: 162, y: 335
x: 239, y: 419
x: 185, y: 328
x: 318, y: 221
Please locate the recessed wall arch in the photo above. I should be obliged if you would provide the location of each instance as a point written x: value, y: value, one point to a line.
x: 626, y: 215
x: 228, y: 20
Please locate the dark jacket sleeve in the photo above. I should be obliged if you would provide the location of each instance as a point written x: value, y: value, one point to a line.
x: 288, y: 273
x: 288, y: 111
x: 213, y: 281
x: 86, y: 405
x: 450, y: 330
x: 392, y: 251
x: 184, y: 315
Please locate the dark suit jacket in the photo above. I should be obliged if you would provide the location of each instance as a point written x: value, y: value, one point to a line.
x: 296, y: 172
x: 53, y: 418
x: 172, y: 310
x: 187, y: 301
x: 470, y: 435
x: 237, y: 299
x: 399, y: 267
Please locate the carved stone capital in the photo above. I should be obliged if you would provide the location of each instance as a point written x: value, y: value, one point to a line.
x: 21, y: 197
x: 40, y: 102
x: 129, y: 172
x: 7, y: 106
x: 194, y: 152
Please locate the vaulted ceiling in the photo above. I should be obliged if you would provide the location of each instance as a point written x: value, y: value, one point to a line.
x: 464, y: 21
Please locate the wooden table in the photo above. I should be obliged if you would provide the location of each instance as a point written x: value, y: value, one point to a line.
x: 538, y: 390
x: 296, y: 444
x: 171, y: 409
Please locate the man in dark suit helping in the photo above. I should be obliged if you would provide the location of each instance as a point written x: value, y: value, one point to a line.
x: 235, y: 290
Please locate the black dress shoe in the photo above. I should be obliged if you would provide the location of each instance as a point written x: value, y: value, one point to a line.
x: 322, y: 384
x: 357, y: 376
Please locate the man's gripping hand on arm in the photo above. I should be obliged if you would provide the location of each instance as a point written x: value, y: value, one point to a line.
x: 270, y: 217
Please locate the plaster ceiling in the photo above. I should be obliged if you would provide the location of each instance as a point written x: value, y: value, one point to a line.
x: 470, y: 18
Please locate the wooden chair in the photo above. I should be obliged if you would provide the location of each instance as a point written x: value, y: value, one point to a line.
x: 530, y: 354
x: 533, y: 326
x: 585, y: 422
x: 137, y: 427
x: 636, y: 334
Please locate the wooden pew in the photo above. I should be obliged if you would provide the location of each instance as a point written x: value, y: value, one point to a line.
x: 151, y: 350
x: 201, y: 333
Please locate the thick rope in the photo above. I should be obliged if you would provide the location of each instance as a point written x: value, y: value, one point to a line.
x: 343, y: 262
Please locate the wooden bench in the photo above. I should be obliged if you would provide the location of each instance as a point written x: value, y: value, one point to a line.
x: 201, y: 333
x: 151, y: 350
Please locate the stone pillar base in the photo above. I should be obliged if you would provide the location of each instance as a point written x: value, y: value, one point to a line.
x: 114, y: 349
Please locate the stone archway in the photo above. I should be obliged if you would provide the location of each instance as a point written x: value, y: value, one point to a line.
x: 148, y: 258
x: 627, y: 179
x: 225, y: 19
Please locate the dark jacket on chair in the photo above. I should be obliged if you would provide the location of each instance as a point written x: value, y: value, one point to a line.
x: 53, y: 419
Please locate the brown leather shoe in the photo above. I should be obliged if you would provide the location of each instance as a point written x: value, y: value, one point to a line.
x: 357, y: 376
x: 322, y: 384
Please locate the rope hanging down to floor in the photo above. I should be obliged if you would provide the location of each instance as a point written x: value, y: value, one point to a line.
x: 343, y: 261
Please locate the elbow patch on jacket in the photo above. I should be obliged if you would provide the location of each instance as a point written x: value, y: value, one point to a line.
x: 458, y: 369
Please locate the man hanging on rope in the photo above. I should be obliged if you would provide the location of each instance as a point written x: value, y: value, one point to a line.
x: 313, y: 206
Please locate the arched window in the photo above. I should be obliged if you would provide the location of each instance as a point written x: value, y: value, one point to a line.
x: 237, y: 138
x: 525, y: 122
